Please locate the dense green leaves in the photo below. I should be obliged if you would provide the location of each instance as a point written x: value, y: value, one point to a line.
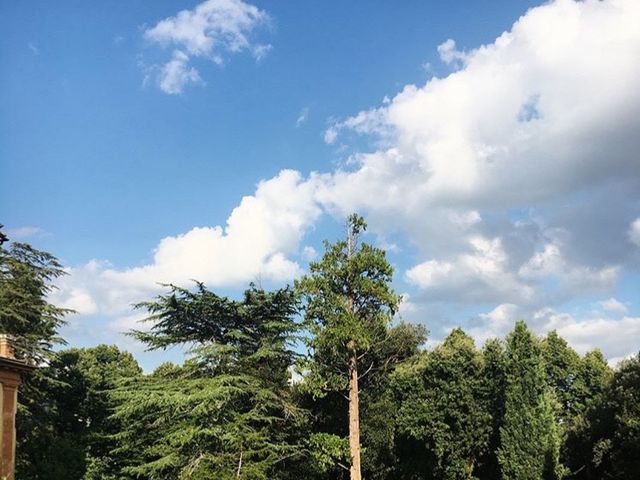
x: 444, y: 408
x: 227, y: 412
x: 523, y: 408
x: 26, y: 278
x: 348, y: 303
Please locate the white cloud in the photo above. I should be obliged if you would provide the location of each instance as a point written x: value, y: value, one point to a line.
x: 302, y: 116
x: 463, y: 134
x: 616, y: 337
x: 449, y: 54
x: 487, y: 173
x: 614, y: 306
x: 634, y: 232
x: 261, y: 51
x: 213, y: 29
x: 25, y: 233
x: 176, y: 74
x: 309, y: 253
x: 407, y: 307
x: 79, y: 300
x: 482, y: 274
x: 34, y: 48
x: 551, y: 262
x: 518, y: 125
x: 254, y: 245
x: 330, y: 135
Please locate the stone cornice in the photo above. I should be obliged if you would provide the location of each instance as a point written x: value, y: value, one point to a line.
x: 15, y: 365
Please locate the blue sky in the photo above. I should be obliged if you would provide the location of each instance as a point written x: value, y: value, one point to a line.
x: 500, y: 170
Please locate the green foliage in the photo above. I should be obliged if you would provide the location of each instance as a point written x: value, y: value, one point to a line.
x: 26, y: 277
x: 327, y: 451
x: 530, y: 436
x: 493, y: 390
x: 26, y: 280
x: 520, y: 409
x: 227, y: 412
x: 78, y: 438
x: 349, y: 304
x: 617, y: 450
x: 444, y: 407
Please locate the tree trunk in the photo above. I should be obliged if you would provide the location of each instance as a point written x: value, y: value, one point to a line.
x: 354, y: 419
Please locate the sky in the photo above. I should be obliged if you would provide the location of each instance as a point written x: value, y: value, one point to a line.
x: 491, y: 145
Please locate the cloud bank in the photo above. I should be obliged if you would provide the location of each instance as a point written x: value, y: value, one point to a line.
x: 515, y: 178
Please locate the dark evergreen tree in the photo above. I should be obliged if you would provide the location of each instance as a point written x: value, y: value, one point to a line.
x: 227, y: 412
x: 26, y: 280
x: 530, y: 436
x: 81, y: 428
x: 493, y: 389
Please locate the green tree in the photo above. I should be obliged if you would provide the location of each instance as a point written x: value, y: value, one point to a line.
x: 328, y: 442
x: 379, y: 403
x: 588, y: 428
x: 27, y: 278
x: 616, y: 424
x: 81, y: 428
x: 227, y: 412
x: 530, y: 436
x: 349, y: 305
x: 562, y: 367
x: 493, y: 389
x: 444, y: 406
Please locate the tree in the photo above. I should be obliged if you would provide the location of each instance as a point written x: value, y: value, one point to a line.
x: 328, y: 442
x: 493, y: 389
x: 616, y: 424
x: 530, y: 436
x: 443, y: 406
x: 588, y: 428
x: 26, y: 280
x: 227, y: 412
x: 349, y: 305
x: 562, y: 367
x: 81, y: 428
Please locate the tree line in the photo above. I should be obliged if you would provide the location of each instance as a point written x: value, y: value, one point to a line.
x: 313, y: 381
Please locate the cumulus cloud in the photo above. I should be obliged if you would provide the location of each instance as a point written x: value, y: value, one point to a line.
x: 482, y: 273
x: 541, y: 119
x: 510, y: 179
x: 212, y: 30
x: 255, y: 244
x: 176, y: 74
x: 449, y: 53
x: 465, y: 136
x: 616, y: 337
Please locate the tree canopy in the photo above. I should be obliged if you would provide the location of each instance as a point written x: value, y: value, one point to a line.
x: 318, y: 381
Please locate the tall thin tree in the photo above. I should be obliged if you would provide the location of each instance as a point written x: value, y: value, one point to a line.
x: 349, y: 305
